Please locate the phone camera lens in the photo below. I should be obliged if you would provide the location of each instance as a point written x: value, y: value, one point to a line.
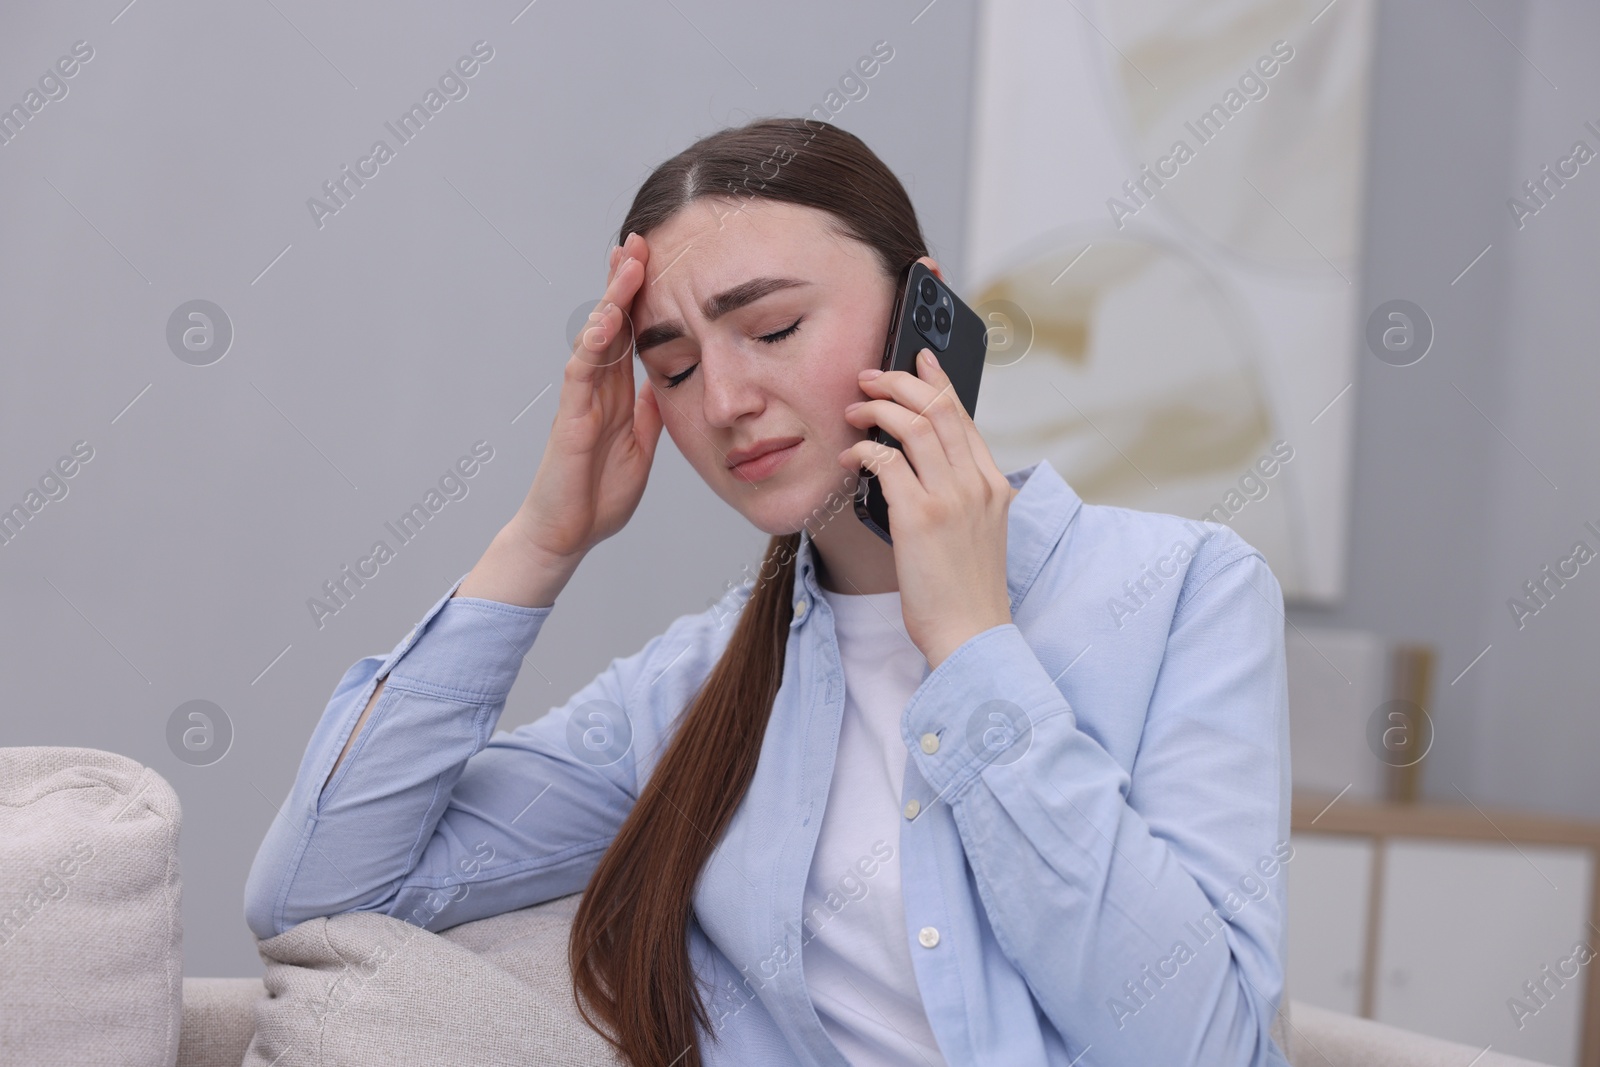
x: 941, y: 320
x: 923, y: 319
x: 928, y: 290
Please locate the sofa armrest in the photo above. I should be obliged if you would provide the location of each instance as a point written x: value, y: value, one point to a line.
x: 218, y: 1020
x: 1323, y: 1038
x: 91, y: 918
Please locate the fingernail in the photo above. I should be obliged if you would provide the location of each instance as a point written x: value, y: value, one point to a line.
x: 871, y: 374
x: 852, y: 407
x: 927, y: 354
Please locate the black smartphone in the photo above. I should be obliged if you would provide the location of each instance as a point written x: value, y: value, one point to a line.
x: 927, y: 315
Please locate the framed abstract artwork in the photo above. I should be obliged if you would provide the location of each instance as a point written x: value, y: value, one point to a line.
x: 1163, y: 236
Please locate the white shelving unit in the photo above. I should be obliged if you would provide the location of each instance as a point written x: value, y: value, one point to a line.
x: 1444, y: 920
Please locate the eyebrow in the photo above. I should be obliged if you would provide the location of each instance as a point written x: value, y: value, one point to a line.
x: 715, y: 307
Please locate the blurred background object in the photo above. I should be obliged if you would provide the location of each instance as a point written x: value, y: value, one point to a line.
x: 1178, y: 216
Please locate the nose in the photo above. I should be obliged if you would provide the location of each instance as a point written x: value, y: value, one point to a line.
x: 728, y: 389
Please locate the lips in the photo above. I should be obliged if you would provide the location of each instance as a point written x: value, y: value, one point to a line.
x: 759, y: 449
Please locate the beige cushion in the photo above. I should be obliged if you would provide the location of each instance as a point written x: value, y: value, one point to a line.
x: 1323, y: 1038
x: 367, y: 988
x: 91, y: 934
x: 1282, y: 1023
x: 218, y: 1019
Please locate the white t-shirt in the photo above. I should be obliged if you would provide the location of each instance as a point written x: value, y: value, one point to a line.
x: 856, y: 959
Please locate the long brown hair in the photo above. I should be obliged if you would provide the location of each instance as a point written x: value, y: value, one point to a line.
x: 629, y: 949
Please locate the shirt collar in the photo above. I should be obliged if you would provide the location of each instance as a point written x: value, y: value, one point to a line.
x: 1039, y: 516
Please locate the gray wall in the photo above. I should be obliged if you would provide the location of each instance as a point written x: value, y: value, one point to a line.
x: 426, y: 314
x: 1442, y: 120
x: 1475, y: 467
x: 1538, y: 737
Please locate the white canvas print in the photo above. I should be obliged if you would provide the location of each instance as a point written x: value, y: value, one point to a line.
x: 1164, y: 235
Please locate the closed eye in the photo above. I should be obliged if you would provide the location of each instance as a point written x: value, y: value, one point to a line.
x: 787, y: 331
x: 769, y: 338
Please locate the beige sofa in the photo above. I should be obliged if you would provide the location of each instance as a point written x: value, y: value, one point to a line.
x: 91, y: 960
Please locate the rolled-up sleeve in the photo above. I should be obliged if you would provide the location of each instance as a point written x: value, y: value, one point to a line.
x: 432, y: 817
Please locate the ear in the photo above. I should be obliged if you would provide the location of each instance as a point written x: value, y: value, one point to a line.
x: 933, y: 265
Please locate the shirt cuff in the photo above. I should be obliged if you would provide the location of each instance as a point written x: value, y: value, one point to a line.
x: 979, y: 707
x: 465, y: 647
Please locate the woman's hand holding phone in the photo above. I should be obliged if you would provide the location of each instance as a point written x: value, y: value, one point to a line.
x: 949, y: 512
x: 595, y: 465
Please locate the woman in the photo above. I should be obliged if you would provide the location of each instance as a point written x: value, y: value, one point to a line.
x: 1006, y: 824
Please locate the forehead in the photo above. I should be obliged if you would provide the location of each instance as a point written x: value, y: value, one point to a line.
x: 715, y: 243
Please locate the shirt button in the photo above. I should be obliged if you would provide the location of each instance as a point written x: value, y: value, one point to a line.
x: 929, y: 937
x: 912, y: 807
x: 799, y: 609
x: 930, y: 745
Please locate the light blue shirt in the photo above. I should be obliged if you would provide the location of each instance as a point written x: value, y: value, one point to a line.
x: 1096, y: 799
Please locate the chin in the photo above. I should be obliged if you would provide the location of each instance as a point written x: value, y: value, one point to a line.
x: 777, y: 511
x: 775, y: 515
